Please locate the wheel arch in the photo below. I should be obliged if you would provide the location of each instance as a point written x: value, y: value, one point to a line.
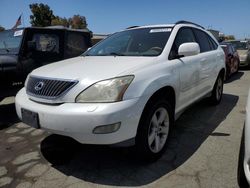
x: 167, y: 92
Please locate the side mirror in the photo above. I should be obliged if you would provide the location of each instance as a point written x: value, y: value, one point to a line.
x: 189, y: 49
x: 31, y: 45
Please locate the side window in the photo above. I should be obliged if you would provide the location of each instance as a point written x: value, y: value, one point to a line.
x: 215, y: 45
x: 184, y: 35
x: 202, y: 40
x: 75, y: 44
x: 46, y: 42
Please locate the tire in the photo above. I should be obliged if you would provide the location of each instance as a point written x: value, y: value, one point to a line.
x: 238, y: 66
x: 242, y: 181
x: 153, y: 130
x: 217, y: 90
x: 228, y: 72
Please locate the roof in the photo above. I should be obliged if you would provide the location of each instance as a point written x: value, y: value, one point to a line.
x: 56, y: 28
x: 166, y: 25
x: 151, y: 26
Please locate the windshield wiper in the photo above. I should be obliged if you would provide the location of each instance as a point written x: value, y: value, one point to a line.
x: 5, y: 46
x: 115, y: 54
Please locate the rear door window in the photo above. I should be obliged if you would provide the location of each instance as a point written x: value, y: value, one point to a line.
x: 203, y: 40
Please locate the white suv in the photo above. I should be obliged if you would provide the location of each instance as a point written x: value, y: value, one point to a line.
x: 128, y: 89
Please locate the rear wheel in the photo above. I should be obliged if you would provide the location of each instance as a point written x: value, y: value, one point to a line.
x: 237, y: 66
x: 217, y: 90
x: 153, y: 130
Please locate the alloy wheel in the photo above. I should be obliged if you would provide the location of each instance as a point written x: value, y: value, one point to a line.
x: 158, y: 130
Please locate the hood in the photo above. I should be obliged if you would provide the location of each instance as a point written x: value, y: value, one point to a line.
x: 92, y: 68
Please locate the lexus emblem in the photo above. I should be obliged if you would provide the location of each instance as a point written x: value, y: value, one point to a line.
x: 39, y: 86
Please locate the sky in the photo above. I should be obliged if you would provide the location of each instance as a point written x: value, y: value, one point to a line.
x: 107, y: 16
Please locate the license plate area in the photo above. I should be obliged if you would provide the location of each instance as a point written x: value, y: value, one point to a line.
x: 30, y: 118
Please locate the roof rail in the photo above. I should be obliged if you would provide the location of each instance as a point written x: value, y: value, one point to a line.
x: 132, y: 27
x: 187, y: 22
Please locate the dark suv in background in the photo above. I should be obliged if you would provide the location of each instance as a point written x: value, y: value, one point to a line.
x: 25, y: 49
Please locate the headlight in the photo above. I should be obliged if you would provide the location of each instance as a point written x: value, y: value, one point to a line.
x: 111, y: 90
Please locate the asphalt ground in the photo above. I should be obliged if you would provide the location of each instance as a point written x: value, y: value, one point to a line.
x: 202, y: 151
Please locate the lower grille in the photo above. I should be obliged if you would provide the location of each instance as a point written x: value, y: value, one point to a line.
x: 48, y: 88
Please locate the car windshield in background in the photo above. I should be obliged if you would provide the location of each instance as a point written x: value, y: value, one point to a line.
x: 134, y: 42
x: 10, y: 41
x: 240, y: 45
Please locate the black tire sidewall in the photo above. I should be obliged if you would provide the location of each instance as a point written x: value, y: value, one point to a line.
x: 213, y: 98
x: 142, y: 147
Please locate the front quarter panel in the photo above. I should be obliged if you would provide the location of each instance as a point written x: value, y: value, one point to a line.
x: 150, y: 79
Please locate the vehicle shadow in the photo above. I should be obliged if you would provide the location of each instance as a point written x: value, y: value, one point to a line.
x: 8, y: 115
x: 235, y: 76
x: 118, y: 166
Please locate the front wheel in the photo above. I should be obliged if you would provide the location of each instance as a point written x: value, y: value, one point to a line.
x: 217, y: 90
x: 153, y: 130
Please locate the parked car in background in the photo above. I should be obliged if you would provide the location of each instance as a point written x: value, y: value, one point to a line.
x: 243, y: 49
x: 24, y: 49
x: 244, y: 155
x: 231, y: 58
x: 128, y: 89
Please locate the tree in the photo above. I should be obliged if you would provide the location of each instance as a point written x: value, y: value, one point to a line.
x: 42, y: 15
x: 78, y: 22
x: 60, y: 21
x: 1, y: 28
x: 229, y: 37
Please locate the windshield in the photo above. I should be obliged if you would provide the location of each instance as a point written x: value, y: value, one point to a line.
x: 135, y: 42
x: 240, y: 45
x: 10, y: 41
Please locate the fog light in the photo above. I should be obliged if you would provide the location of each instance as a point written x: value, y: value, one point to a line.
x: 105, y: 129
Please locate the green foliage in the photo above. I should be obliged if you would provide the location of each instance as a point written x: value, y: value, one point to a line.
x: 42, y: 15
x: 1, y: 28
x: 60, y: 21
x: 78, y: 22
x: 229, y: 37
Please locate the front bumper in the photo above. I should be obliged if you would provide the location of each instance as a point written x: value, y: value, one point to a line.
x: 77, y: 120
x: 244, y: 63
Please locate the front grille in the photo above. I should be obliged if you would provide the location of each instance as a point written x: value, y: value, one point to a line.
x: 48, y: 88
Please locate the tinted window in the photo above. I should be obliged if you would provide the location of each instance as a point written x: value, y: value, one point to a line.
x: 184, y: 35
x: 46, y: 42
x: 10, y: 41
x: 213, y: 44
x: 202, y: 40
x: 75, y: 44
